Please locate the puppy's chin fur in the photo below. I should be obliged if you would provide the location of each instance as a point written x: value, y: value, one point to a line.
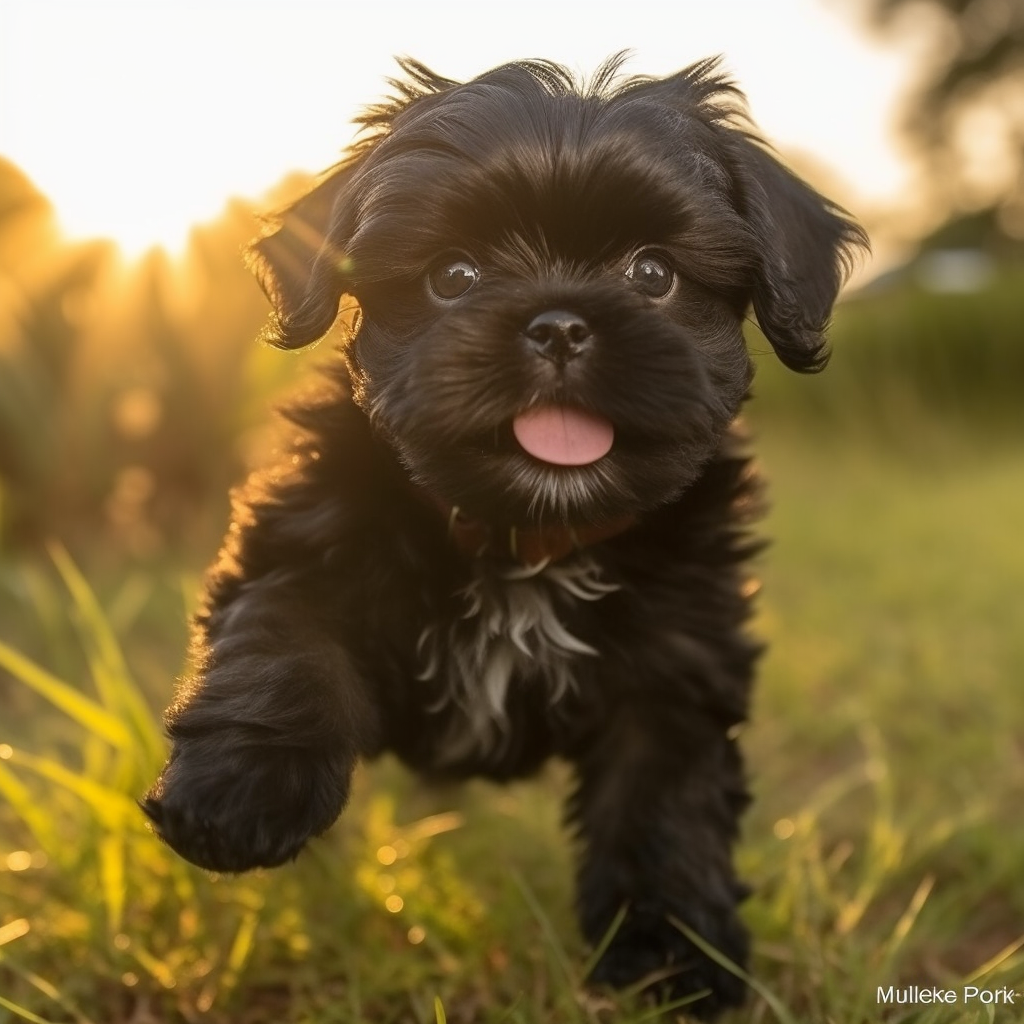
x: 513, y: 243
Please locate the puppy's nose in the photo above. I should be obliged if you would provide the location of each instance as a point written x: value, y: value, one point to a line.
x: 558, y: 335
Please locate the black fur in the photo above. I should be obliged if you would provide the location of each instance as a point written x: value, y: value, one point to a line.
x: 341, y: 616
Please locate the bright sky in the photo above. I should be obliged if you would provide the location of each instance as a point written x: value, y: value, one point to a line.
x: 139, y: 118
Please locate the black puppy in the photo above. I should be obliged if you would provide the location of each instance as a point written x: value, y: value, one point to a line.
x: 515, y: 524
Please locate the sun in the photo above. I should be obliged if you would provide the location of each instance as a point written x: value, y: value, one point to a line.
x: 101, y: 137
x: 140, y: 124
x: 124, y: 212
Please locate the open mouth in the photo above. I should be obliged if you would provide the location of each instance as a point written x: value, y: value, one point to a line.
x: 563, y: 435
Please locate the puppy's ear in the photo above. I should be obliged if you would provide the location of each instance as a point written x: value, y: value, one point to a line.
x: 807, y: 248
x: 301, y: 265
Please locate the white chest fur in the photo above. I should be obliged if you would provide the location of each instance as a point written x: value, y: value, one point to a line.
x: 510, y: 628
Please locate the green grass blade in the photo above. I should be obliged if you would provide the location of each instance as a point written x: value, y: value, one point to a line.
x: 240, y: 949
x: 23, y: 1013
x: 659, y: 1013
x: 82, y: 709
x: 49, y: 990
x: 606, y: 941
x: 22, y: 802
x: 112, y: 878
x: 113, y: 809
x: 110, y: 672
x: 546, y: 926
x: 723, y: 961
x: 994, y: 962
x: 909, y: 917
x: 439, y: 1014
x: 157, y: 969
x: 13, y: 930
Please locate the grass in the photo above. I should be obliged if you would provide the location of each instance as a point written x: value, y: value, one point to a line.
x: 893, y: 601
x: 884, y: 845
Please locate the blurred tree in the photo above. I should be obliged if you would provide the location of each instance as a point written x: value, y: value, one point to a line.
x: 44, y: 289
x: 131, y: 394
x: 967, y: 112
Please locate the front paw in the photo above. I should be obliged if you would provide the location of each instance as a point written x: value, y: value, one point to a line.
x: 229, y: 805
x: 649, y: 945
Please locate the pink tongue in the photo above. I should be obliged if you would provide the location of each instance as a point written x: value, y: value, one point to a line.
x: 563, y: 436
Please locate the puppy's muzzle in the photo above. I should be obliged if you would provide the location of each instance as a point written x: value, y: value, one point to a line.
x: 558, y: 335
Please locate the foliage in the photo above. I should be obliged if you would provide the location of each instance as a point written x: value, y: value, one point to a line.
x: 128, y: 394
x: 903, y: 355
x: 976, y: 63
x: 986, y: 43
x: 884, y: 844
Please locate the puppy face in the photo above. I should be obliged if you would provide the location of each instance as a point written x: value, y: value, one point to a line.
x: 553, y: 280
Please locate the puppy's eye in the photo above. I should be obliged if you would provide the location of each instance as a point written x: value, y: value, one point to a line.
x: 650, y: 274
x: 452, y: 279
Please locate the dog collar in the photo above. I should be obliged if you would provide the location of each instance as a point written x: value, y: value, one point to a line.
x: 527, y: 545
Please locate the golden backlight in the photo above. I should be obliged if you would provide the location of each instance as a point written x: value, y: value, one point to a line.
x: 139, y: 120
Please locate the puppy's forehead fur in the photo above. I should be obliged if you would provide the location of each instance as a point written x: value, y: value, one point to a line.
x: 550, y: 96
x: 524, y: 151
x: 525, y: 159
